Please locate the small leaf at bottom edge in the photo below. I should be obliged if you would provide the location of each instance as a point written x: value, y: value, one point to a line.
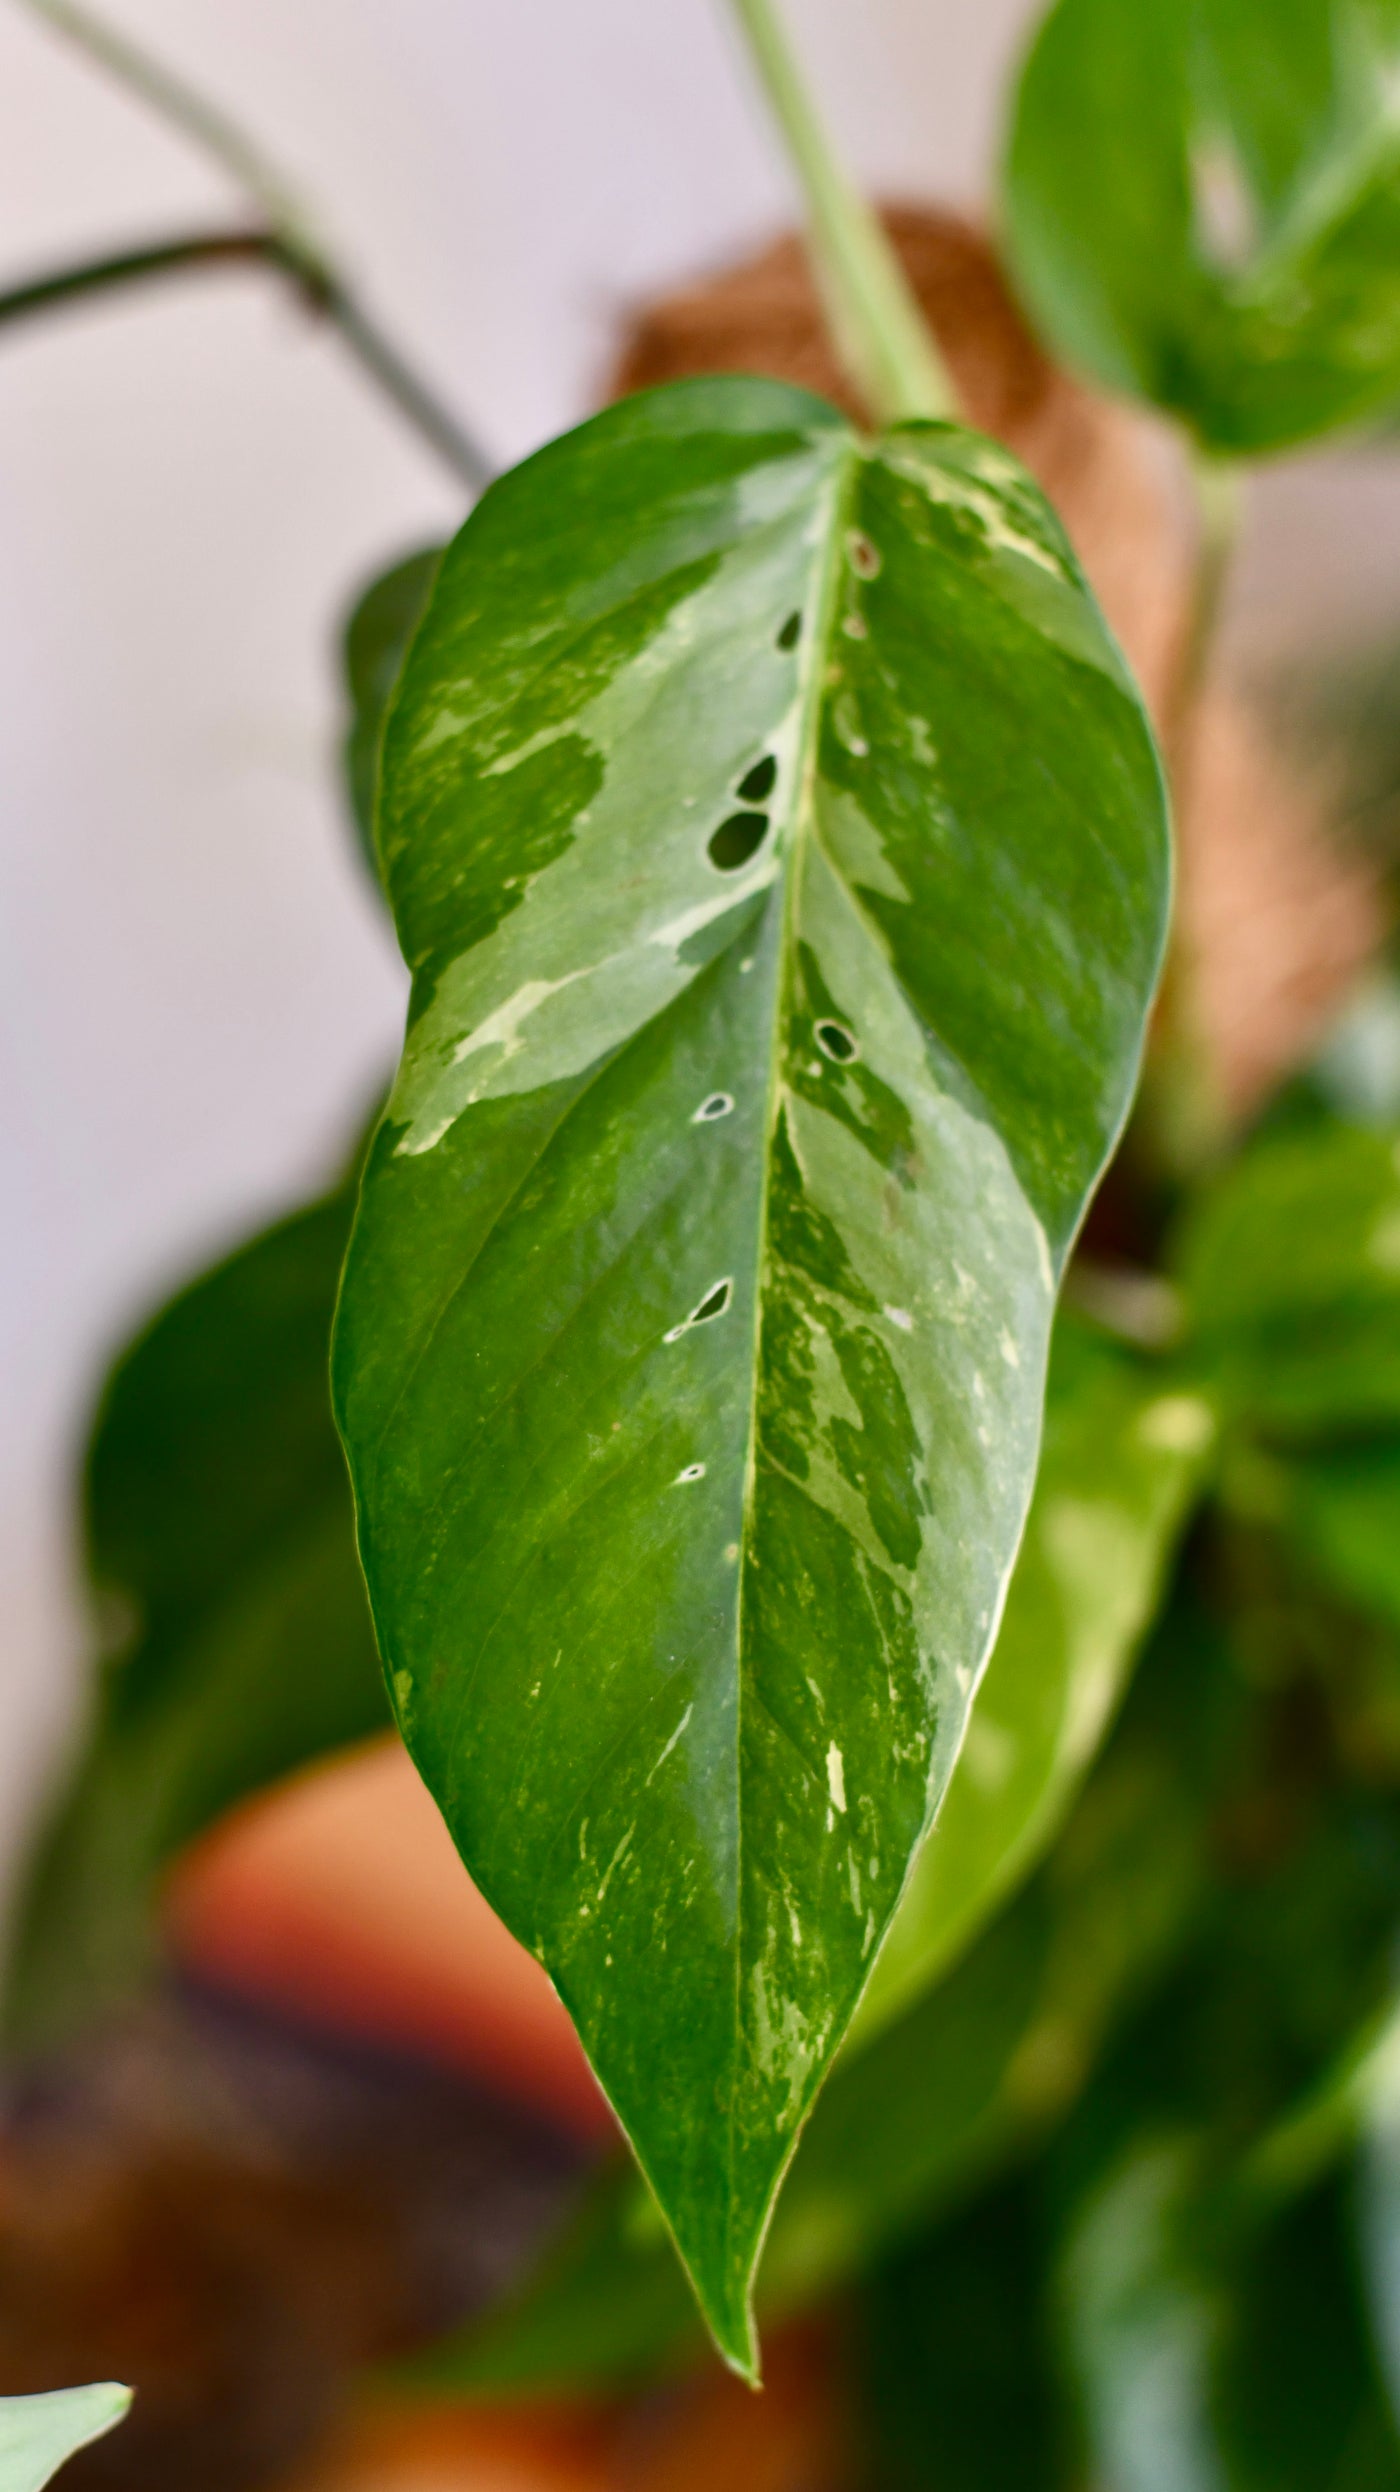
x: 40, y: 2434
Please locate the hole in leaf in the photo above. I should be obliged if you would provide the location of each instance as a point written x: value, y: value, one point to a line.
x: 692, y: 1471
x: 712, y: 1109
x: 864, y: 557
x: 715, y: 1304
x: 758, y: 786
x: 836, y: 1042
x: 712, y: 1304
x: 737, y: 840
x: 791, y: 632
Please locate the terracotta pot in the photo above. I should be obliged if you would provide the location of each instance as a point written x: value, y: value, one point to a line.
x: 339, y: 1896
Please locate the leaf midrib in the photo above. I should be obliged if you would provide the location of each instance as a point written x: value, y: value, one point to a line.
x: 812, y: 706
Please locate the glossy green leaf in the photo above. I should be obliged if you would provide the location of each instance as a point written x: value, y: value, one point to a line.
x: 1123, y: 1456
x: 1291, y: 1268
x: 221, y: 1547
x: 40, y: 2434
x: 778, y: 848
x: 377, y: 636
x: 1202, y: 203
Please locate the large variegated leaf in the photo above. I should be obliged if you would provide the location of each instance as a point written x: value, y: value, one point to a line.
x: 1203, y: 206
x: 778, y: 848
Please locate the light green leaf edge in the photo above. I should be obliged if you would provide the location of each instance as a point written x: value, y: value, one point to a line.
x: 1124, y: 1459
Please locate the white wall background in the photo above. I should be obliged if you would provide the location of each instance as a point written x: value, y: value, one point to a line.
x: 196, y: 988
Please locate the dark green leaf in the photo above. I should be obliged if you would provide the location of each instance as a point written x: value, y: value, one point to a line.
x: 40, y: 2434
x: 1203, y: 207
x: 778, y: 848
x: 1298, y: 2400
x: 1354, y: 2097
x: 1291, y: 1266
x: 377, y: 636
x: 221, y: 1547
x: 1343, y: 1507
x: 959, y: 2393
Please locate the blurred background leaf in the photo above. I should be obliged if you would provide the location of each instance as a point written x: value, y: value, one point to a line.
x: 1123, y: 1457
x: 382, y: 623
x: 1244, y: 279
x: 220, y: 1545
x: 1290, y: 1266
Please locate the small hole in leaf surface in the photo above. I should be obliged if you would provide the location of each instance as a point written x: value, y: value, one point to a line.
x: 836, y: 1042
x: 737, y: 840
x: 758, y: 786
x: 712, y: 1109
x: 791, y: 632
x: 713, y: 1305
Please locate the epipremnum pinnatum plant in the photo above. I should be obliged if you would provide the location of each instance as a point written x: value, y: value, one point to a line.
x: 778, y: 848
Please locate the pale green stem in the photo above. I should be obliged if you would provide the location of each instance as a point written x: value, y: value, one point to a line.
x: 1303, y: 2145
x: 1187, y: 1120
x: 210, y: 128
x: 879, y: 330
x: 1219, y: 503
x: 292, y: 241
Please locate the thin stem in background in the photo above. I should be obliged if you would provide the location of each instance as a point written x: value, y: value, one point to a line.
x: 159, y: 259
x: 289, y: 241
x: 1186, y: 1114
x: 181, y: 106
x: 1219, y: 506
x: 879, y: 330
